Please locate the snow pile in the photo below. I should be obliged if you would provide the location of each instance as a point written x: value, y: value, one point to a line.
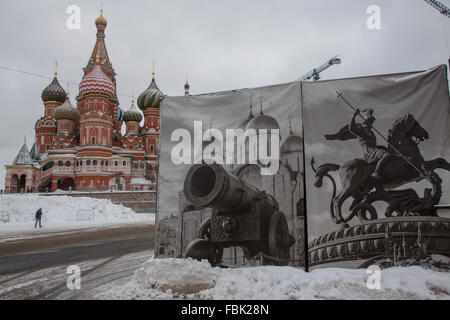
x: 17, y: 212
x: 169, y: 278
x: 160, y: 276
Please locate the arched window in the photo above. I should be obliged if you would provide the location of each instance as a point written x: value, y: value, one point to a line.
x: 106, y: 162
x: 94, y: 162
x: 67, y: 163
x: 88, y: 162
x: 116, y: 163
x: 93, y: 140
x: 60, y: 163
x: 102, y: 163
x: 151, y: 148
x: 124, y: 163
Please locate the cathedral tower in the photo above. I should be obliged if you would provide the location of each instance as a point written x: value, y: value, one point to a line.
x: 149, y: 102
x: 45, y: 128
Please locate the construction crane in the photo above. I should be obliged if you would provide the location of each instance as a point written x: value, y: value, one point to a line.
x: 439, y: 6
x: 315, y: 73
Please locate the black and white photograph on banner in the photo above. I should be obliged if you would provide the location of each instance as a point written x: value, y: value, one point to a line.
x: 377, y: 169
x: 219, y: 199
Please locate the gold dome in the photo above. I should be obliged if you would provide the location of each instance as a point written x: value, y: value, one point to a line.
x: 101, y: 20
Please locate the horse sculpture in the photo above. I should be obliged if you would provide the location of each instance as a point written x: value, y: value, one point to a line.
x: 405, y: 165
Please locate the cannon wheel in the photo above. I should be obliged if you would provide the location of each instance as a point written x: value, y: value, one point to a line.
x: 279, y: 238
x: 204, y: 232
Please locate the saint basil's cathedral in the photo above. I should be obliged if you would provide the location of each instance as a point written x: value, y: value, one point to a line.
x: 82, y: 148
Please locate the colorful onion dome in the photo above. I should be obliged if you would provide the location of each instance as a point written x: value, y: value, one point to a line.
x: 96, y: 81
x: 54, y: 92
x: 66, y: 111
x: 101, y: 20
x: 186, y: 85
x: 119, y: 114
x: 151, y: 97
x: 132, y: 114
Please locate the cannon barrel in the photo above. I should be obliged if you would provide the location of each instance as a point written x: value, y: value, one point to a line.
x: 212, y: 186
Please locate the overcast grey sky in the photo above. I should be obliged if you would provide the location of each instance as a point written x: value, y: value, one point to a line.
x: 221, y: 45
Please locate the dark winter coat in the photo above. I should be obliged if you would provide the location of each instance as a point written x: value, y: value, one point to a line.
x: 38, y: 213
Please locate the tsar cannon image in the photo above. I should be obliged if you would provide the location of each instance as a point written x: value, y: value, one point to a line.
x: 242, y: 215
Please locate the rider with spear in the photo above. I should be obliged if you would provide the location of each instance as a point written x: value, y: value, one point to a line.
x: 373, y: 153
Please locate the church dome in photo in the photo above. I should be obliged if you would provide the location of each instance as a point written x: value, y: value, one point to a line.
x: 262, y: 121
x: 66, y: 111
x: 293, y: 143
x: 96, y: 81
x: 132, y: 114
x: 54, y: 92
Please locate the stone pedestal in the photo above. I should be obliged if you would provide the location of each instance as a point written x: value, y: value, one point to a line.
x: 413, y: 237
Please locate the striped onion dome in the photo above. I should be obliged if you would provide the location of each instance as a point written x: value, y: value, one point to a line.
x: 54, y: 92
x: 96, y: 81
x: 66, y: 111
x: 151, y: 97
x: 132, y: 114
x: 119, y: 114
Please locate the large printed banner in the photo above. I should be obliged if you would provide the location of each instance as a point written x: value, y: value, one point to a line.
x: 376, y: 152
x: 231, y: 177
x: 232, y: 173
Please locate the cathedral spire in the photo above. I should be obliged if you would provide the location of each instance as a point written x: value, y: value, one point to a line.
x: 250, y: 115
x: 100, y: 50
x: 261, y: 107
x: 153, y: 72
x: 23, y: 157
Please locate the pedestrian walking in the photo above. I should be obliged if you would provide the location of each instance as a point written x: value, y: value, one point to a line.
x: 38, y: 218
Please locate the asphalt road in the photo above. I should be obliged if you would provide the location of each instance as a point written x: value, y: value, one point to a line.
x: 37, y: 268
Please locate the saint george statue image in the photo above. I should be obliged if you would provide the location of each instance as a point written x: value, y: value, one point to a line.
x: 410, y: 220
x: 381, y: 169
x: 373, y: 153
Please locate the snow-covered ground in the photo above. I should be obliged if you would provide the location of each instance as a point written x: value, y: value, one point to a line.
x: 17, y: 212
x: 180, y: 278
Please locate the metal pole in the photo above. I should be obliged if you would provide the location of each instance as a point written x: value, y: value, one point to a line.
x: 341, y: 95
